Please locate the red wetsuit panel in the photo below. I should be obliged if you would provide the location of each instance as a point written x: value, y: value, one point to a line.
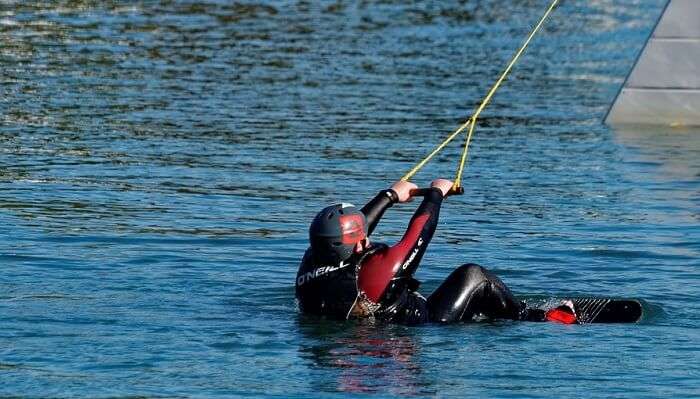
x: 379, y: 269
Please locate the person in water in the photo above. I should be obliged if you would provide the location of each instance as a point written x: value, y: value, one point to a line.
x: 344, y: 276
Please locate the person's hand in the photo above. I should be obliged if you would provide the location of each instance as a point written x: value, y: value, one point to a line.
x: 403, y: 189
x: 443, y: 184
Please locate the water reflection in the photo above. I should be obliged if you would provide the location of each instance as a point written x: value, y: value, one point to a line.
x: 363, y: 358
x: 666, y: 161
x: 673, y: 153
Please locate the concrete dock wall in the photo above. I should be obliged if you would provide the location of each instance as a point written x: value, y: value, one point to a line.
x: 663, y: 87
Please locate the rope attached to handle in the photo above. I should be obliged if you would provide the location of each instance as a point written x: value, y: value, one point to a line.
x: 471, y: 122
x: 475, y: 116
x: 437, y: 149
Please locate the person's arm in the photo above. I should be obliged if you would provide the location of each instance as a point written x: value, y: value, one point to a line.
x: 409, y: 251
x: 374, y: 210
x: 402, y: 259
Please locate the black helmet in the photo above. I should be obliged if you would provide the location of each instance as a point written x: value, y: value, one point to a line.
x: 335, y: 231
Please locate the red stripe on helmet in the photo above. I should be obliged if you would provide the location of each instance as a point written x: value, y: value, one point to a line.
x: 352, y: 228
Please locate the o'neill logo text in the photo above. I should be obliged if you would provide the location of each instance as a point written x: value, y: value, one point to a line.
x: 318, y: 272
x: 413, y: 254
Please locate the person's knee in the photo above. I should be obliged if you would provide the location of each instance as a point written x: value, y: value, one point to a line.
x: 471, y: 272
x: 456, y: 298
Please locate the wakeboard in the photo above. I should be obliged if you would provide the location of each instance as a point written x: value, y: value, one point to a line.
x: 587, y: 310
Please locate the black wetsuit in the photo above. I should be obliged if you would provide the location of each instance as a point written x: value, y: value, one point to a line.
x: 379, y: 282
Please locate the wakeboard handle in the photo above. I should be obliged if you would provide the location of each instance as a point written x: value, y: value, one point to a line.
x: 422, y: 192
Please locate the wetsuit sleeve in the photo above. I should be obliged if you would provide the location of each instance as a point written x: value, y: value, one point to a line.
x: 377, y: 206
x: 420, y: 231
x: 400, y: 261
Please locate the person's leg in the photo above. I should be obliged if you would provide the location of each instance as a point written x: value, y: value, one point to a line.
x: 471, y: 290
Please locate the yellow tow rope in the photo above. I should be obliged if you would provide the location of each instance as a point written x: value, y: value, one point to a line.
x: 471, y: 122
